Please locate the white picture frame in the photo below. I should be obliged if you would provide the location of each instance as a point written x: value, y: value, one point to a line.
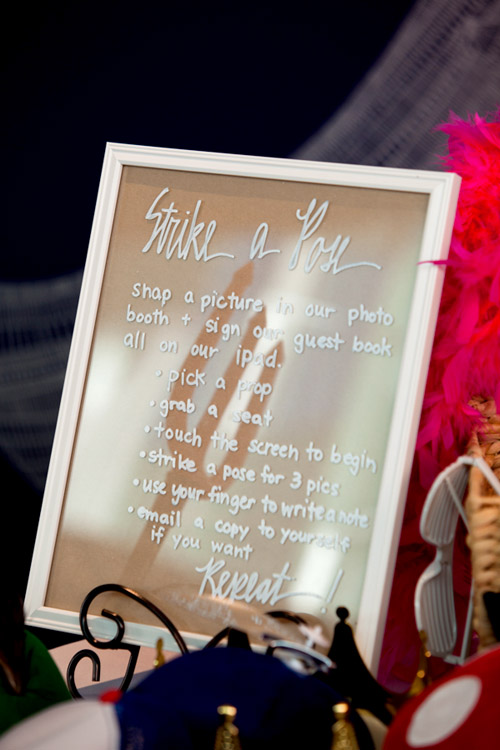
x: 425, y: 201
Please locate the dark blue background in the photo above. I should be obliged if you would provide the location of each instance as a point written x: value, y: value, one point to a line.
x: 230, y: 77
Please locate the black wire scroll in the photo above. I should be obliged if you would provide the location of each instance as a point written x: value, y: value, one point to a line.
x: 116, y: 642
x: 233, y: 635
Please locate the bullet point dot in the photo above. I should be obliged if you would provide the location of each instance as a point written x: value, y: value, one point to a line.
x: 152, y: 403
x: 159, y: 373
x: 136, y: 482
x: 142, y: 454
x: 130, y: 509
x: 147, y: 429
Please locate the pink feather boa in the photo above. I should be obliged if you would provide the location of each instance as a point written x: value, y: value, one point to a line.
x: 465, y: 363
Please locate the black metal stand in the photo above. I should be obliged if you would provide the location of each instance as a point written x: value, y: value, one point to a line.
x: 116, y: 642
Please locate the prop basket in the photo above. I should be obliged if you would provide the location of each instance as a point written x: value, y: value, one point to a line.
x: 483, y: 511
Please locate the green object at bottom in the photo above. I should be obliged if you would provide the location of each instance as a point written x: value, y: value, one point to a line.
x: 44, y: 686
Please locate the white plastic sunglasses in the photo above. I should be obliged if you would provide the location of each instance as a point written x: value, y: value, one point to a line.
x: 434, y: 603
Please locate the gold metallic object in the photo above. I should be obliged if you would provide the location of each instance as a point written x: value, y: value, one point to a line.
x: 159, y: 658
x: 227, y: 736
x: 344, y: 736
x: 422, y: 678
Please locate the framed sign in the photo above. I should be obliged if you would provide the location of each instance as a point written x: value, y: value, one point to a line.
x: 243, y: 390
